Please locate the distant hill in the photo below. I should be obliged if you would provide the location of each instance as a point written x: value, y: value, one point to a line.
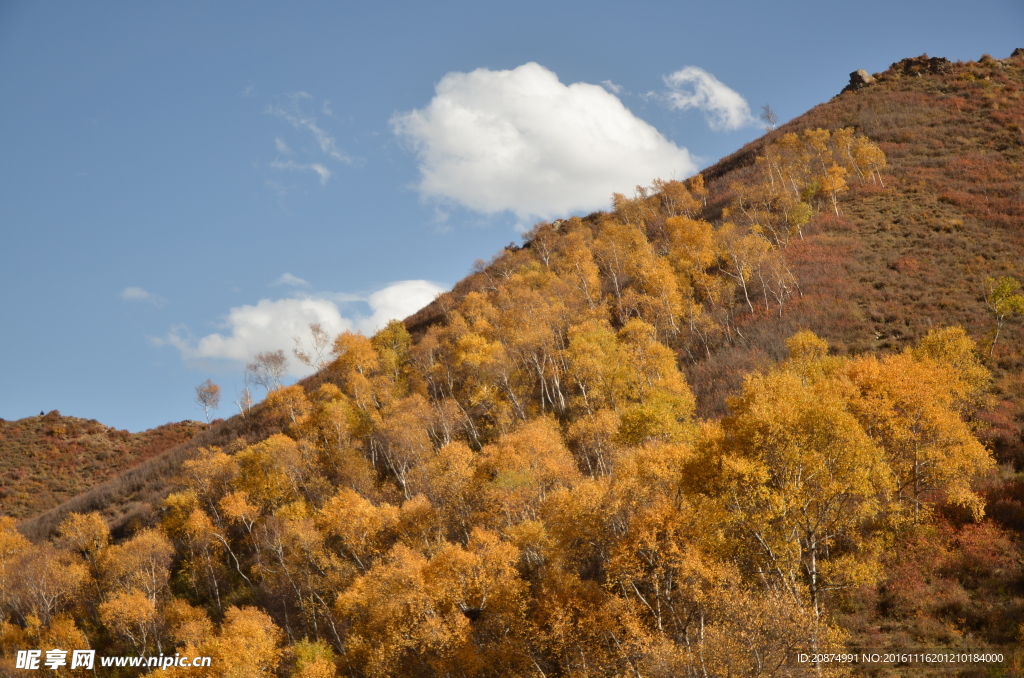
x: 128, y: 497
x: 48, y: 459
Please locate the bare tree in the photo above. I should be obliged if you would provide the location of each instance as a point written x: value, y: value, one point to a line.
x: 267, y: 370
x: 244, y: 399
x: 208, y: 397
x: 769, y: 118
x: 315, y: 356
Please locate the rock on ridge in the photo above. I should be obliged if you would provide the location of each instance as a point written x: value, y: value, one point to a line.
x: 859, y: 79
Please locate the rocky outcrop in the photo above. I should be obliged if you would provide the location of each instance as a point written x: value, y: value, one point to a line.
x: 859, y: 79
x: 920, y: 65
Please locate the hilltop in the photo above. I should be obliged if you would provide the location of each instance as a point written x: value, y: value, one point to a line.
x: 762, y: 409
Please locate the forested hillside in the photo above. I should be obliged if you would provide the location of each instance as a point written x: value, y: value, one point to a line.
x: 776, y: 406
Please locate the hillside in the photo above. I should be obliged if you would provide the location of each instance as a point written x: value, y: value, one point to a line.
x: 759, y: 411
x: 48, y: 459
x: 901, y: 258
x: 915, y: 256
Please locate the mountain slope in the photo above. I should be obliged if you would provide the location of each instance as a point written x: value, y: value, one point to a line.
x: 901, y: 258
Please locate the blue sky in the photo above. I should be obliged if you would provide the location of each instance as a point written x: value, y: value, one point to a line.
x: 185, y: 184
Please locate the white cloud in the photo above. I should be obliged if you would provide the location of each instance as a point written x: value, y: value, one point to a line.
x: 267, y: 326
x: 398, y: 301
x: 520, y: 140
x: 289, y: 279
x: 139, y: 294
x: 724, y: 108
x: 294, y: 116
x: 305, y: 158
x: 270, y: 325
x: 322, y: 171
x: 612, y: 87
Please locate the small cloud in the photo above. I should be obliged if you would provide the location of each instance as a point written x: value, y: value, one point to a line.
x: 693, y: 87
x: 270, y: 325
x: 520, y: 140
x: 289, y: 279
x: 295, y: 117
x: 249, y: 90
x: 322, y: 171
x: 612, y: 87
x: 139, y: 294
x: 326, y: 108
x: 282, y: 147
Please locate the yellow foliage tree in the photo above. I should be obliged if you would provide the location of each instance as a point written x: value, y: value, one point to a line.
x: 909, y: 405
x: 808, y: 484
x: 247, y: 646
x: 130, y: 615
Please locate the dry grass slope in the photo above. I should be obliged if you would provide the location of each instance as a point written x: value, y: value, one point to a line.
x: 48, y: 459
x: 129, y: 499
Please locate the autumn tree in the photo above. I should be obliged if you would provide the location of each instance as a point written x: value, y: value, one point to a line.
x: 677, y: 198
x: 1004, y: 299
x: 201, y: 546
x: 868, y: 159
x: 954, y: 352
x: 834, y: 183
x: 913, y: 406
x: 524, y: 466
x: 447, y: 479
x: 42, y: 582
x: 271, y: 472
x: 208, y: 397
x: 12, y: 546
x: 745, y: 254
x: 392, y: 345
x: 86, y: 534
x: 130, y: 615
x: 137, y: 570
x: 459, y: 612
x: 247, y: 645
x: 808, y: 483
x: 288, y: 406
x: 313, y: 659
